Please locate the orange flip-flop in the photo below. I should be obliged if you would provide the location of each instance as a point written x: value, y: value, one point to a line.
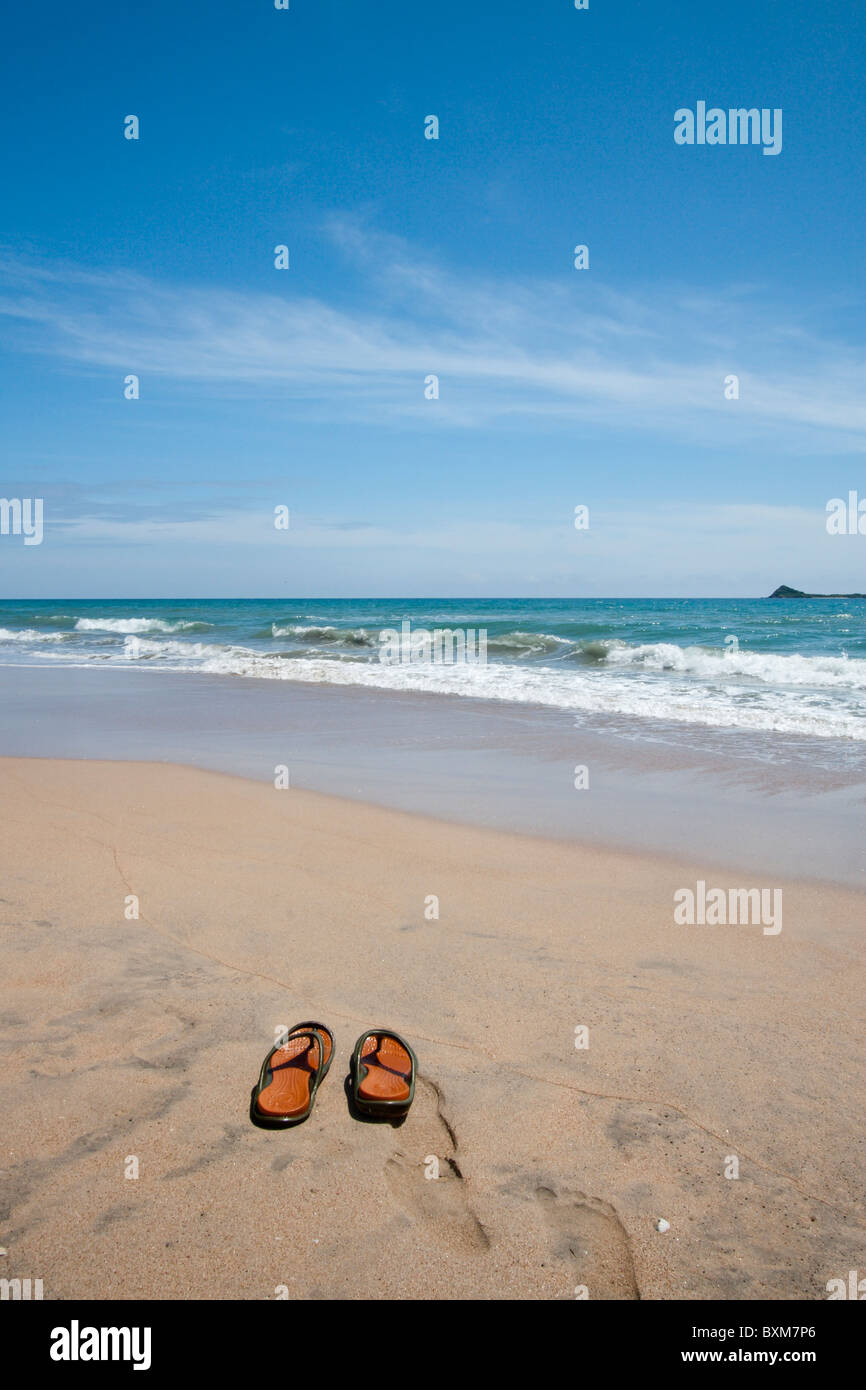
x: 383, y: 1073
x: 291, y: 1075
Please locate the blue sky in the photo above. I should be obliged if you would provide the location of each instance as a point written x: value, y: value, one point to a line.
x: 305, y: 387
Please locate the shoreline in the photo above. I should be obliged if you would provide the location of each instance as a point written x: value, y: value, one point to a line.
x: 718, y: 797
x: 259, y: 907
x: 638, y: 856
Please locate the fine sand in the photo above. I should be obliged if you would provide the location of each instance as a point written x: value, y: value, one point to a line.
x: 129, y: 1039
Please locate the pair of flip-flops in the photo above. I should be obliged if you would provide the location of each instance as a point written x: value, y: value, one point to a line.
x: 383, y: 1075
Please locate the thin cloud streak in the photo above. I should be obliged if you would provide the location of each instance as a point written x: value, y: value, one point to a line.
x: 543, y: 351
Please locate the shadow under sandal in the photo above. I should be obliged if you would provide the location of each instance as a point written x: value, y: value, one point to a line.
x: 291, y: 1075
x: 383, y: 1074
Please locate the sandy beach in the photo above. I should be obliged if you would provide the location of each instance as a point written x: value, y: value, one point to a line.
x: 138, y: 1038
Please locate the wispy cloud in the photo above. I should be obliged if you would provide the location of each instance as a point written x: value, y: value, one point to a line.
x: 557, y: 351
x: 674, y: 549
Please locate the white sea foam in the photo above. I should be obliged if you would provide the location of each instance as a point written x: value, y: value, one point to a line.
x: 190, y: 654
x: 694, y: 687
x: 29, y: 634
x: 717, y: 664
x: 130, y: 625
x: 822, y: 696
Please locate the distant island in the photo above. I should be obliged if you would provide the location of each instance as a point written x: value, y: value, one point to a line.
x: 784, y: 592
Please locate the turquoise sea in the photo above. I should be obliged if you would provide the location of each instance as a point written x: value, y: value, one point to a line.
x: 794, y: 666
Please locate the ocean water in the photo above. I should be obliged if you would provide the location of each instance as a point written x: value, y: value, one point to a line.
x: 778, y: 666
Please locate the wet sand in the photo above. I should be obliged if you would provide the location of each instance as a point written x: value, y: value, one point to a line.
x: 726, y: 796
x: 139, y: 1039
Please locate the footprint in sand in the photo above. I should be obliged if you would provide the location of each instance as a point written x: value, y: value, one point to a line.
x: 437, y: 1203
x: 589, y: 1236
